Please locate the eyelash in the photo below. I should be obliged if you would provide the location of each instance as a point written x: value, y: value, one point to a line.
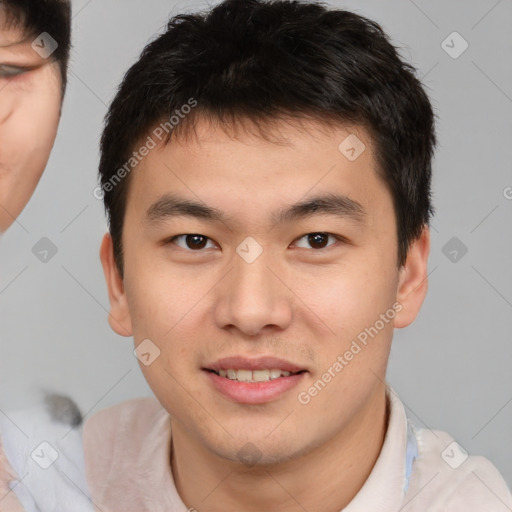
x: 7, y: 71
x: 174, y: 238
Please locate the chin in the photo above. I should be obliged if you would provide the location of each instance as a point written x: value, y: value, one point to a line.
x: 258, y: 452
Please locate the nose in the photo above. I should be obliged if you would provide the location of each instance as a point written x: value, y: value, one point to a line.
x: 252, y: 298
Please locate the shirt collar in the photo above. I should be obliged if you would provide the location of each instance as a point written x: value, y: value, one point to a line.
x: 384, y: 489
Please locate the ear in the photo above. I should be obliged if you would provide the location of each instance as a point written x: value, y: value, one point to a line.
x: 413, y: 280
x: 119, y: 317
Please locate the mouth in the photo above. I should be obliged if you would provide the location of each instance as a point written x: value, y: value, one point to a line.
x: 265, y: 375
x: 253, y: 381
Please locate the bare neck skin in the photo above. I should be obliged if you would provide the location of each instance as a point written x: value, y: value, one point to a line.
x: 326, y: 478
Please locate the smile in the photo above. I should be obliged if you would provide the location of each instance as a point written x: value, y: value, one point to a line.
x: 254, y: 375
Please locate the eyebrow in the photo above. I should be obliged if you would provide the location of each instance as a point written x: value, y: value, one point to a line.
x: 169, y: 206
x: 18, y: 42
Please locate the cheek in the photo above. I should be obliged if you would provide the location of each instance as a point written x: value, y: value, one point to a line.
x: 350, y: 300
x: 162, y: 310
x: 161, y: 299
x: 350, y: 296
x: 28, y: 126
x: 30, y: 122
x: 42, y: 119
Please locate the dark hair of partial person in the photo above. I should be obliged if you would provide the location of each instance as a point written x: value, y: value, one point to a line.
x: 264, y: 61
x: 33, y: 17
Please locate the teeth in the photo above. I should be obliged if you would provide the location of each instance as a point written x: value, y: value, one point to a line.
x: 244, y: 375
x: 253, y: 376
x: 261, y: 375
x: 275, y: 374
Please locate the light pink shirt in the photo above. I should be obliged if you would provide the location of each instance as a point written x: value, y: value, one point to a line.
x: 127, y: 450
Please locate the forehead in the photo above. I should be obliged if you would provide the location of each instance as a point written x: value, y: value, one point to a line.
x: 248, y: 176
x: 290, y: 140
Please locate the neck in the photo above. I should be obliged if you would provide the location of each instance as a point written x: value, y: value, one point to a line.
x: 336, y: 470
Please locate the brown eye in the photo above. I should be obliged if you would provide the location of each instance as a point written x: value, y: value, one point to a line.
x: 196, y: 241
x: 316, y: 240
x: 192, y: 242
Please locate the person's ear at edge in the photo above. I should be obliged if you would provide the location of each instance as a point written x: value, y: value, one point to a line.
x: 119, y: 317
x: 413, y: 280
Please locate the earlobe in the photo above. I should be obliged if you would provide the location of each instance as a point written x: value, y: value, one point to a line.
x: 119, y: 316
x: 413, y: 280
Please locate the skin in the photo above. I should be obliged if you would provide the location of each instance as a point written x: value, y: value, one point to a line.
x: 296, y: 302
x: 30, y: 106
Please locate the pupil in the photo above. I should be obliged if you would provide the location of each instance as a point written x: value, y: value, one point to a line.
x: 318, y: 240
x: 196, y: 241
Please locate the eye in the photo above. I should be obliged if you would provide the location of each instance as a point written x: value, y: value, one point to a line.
x: 7, y: 71
x: 191, y: 241
x: 316, y: 240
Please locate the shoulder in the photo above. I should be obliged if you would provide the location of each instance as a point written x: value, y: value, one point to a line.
x: 120, y: 438
x: 127, y: 418
x: 446, y: 477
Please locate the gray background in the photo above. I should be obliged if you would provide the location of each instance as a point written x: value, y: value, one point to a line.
x: 451, y: 367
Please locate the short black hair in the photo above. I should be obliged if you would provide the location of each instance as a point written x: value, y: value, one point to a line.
x: 34, y: 17
x: 264, y: 60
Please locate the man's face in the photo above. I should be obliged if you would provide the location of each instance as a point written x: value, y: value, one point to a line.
x: 301, y: 289
x: 30, y: 101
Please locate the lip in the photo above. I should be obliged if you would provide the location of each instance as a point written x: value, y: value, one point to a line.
x: 253, y: 392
